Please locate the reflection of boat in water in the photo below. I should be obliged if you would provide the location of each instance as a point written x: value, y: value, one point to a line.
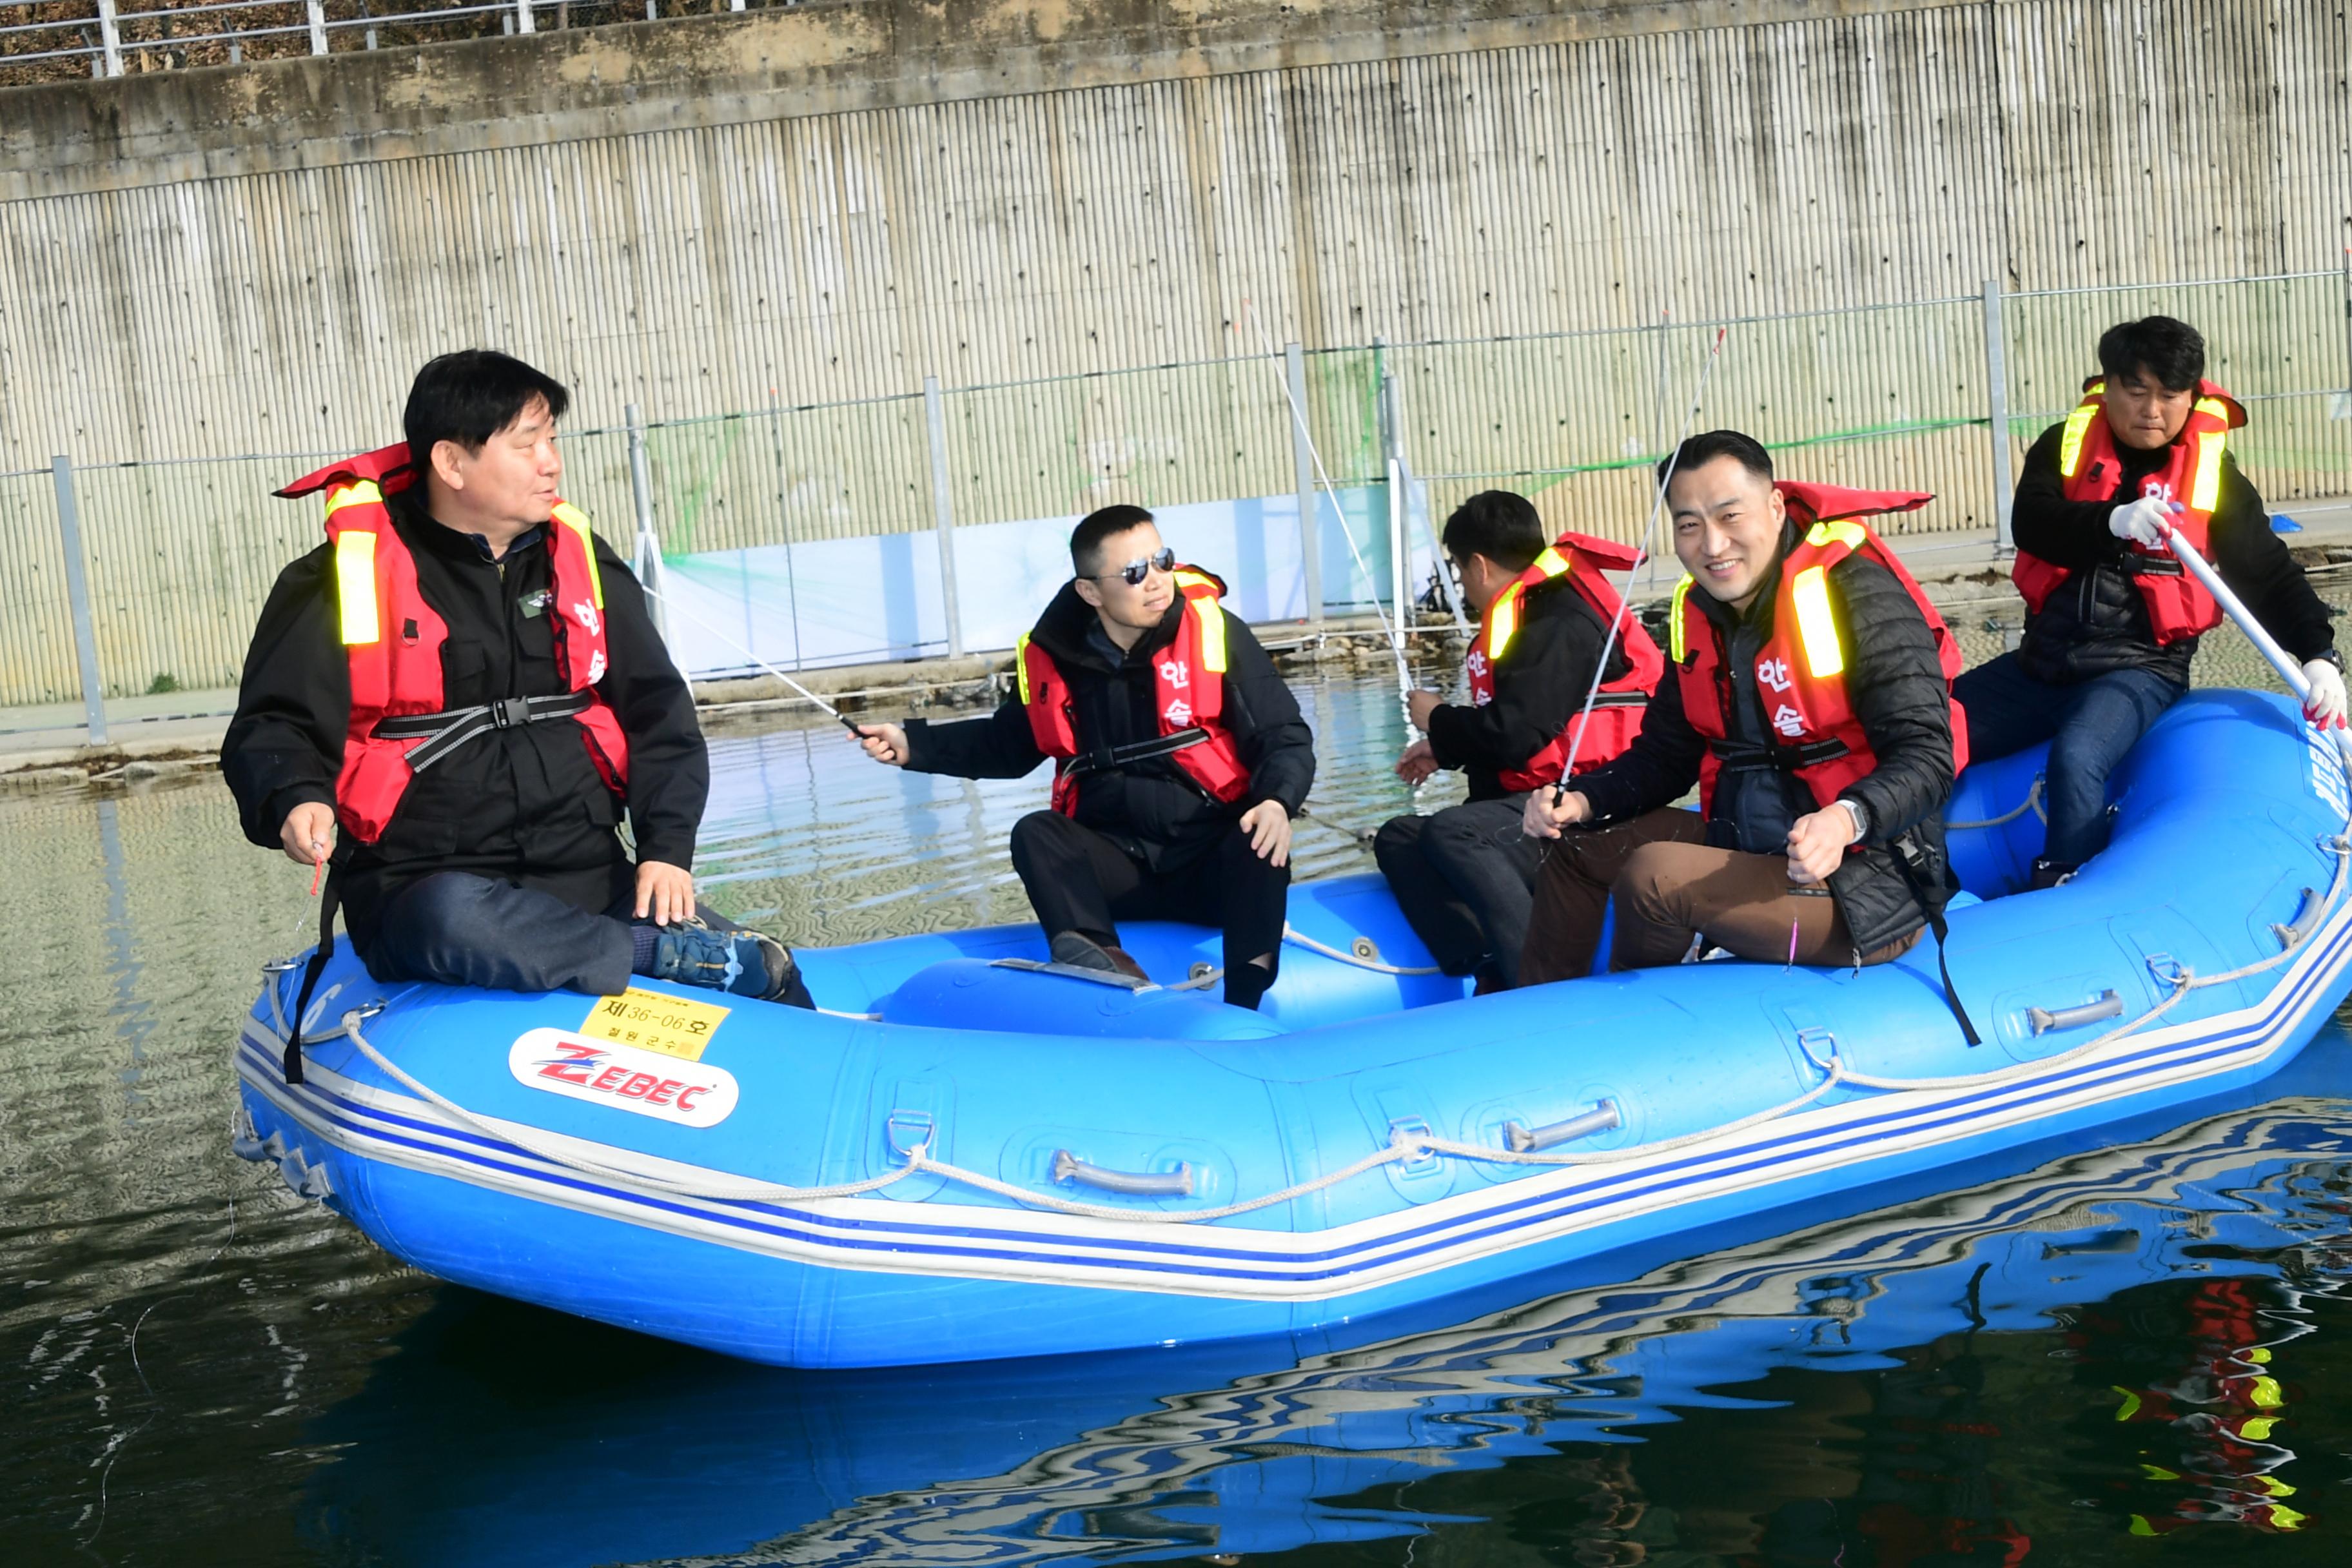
x: 993, y: 1160
x: 1073, y: 1460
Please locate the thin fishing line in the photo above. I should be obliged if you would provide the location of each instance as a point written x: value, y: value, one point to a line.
x: 1641, y: 553
x: 1331, y: 496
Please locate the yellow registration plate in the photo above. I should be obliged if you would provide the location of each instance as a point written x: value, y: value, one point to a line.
x: 653, y: 1022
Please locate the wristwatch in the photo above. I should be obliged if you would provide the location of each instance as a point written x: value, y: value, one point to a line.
x: 2331, y: 656
x: 1861, y: 818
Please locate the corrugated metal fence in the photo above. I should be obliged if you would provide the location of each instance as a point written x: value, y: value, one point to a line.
x: 180, y: 553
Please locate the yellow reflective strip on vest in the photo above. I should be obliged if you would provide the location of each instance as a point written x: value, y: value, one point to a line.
x: 1816, y: 626
x: 1213, y: 634
x: 1502, y: 621
x: 573, y: 518
x: 2259, y: 1355
x: 1020, y: 665
x: 1552, y: 562
x: 2214, y: 407
x: 2069, y: 446
x: 2205, y: 490
x: 1844, y: 532
x: 2265, y: 1395
x: 355, y: 586
x: 364, y: 492
x: 1676, y: 648
x: 2284, y: 1518
x: 2257, y: 1429
x: 2273, y: 1484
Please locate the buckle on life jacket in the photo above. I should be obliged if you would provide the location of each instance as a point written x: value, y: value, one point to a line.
x: 1778, y: 758
x: 442, y: 733
x: 2135, y: 564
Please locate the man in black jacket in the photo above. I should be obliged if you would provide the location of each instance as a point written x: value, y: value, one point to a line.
x: 1771, y: 870
x: 1465, y: 875
x: 1182, y: 759
x: 485, y: 853
x: 2094, y: 670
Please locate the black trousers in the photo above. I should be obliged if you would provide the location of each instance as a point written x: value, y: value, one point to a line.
x: 1079, y: 881
x: 1465, y: 880
x: 456, y: 929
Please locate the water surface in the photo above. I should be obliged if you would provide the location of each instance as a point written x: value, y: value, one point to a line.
x: 203, y: 1369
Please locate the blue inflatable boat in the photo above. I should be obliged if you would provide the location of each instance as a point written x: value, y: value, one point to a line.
x: 972, y: 1155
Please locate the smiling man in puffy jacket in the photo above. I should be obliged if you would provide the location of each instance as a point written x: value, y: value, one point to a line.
x: 1807, y: 695
x: 1180, y: 758
x: 2112, y: 619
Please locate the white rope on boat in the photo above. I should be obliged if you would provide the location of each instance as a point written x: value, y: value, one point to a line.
x: 1292, y: 935
x: 2031, y: 802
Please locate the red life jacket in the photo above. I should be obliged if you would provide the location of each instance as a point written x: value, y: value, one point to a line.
x: 393, y: 639
x: 2178, y: 605
x: 1800, y: 670
x: 1188, y: 691
x: 1618, y: 706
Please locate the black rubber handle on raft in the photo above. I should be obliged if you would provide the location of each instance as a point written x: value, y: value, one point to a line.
x: 1175, y: 1183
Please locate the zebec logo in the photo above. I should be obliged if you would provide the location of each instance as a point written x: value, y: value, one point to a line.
x: 688, y: 1094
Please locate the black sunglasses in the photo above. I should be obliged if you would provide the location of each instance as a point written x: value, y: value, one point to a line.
x: 1142, y: 566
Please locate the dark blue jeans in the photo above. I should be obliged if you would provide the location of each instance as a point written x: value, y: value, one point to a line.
x: 2089, y: 725
x: 457, y: 929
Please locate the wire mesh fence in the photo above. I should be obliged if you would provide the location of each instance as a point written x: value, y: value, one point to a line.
x: 777, y: 502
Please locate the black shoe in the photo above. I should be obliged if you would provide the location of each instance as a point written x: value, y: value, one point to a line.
x: 1080, y: 952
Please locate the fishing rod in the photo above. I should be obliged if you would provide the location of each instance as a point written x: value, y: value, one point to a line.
x: 846, y: 721
x: 1641, y: 553
x: 2256, y: 633
x: 1331, y: 495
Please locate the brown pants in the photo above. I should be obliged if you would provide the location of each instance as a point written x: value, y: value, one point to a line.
x: 1669, y: 888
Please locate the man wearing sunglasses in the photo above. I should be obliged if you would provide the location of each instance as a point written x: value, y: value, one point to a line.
x: 1180, y: 758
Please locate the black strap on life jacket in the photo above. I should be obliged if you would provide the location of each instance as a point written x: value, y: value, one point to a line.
x: 444, y: 732
x: 330, y: 896
x: 1106, y: 759
x: 1737, y: 758
x: 1911, y: 860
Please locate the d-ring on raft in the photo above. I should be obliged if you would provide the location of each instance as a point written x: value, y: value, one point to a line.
x: 986, y: 1158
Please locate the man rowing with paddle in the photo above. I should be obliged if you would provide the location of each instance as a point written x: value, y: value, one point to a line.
x: 1809, y: 698
x: 1180, y: 755
x: 459, y: 696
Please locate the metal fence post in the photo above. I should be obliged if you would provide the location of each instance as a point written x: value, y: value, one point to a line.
x: 943, y: 510
x: 93, y: 693
x: 648, y: 551
x: 522, y: 15
x: 1393, y: 482
x: 1997, y: 394
x: 319, y: 27
x: 110, y: 36
x: 1302, y: 460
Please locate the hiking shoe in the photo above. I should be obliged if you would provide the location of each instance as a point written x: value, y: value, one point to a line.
x: 1080, y: 952
x: 741, y: 962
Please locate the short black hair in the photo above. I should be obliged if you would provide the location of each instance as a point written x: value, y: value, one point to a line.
x: 2172, y: 352
x: 1709, y: 444
x: 1087, y: 538
x: 1500, y: 525
x: 471, y: 396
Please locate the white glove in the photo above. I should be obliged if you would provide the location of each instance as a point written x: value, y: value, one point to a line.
x: 2137, y: 521
x: 2325, y: 705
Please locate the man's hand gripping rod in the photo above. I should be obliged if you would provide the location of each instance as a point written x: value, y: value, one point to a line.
x: 2235, y: 608
x: 1641, y: 553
